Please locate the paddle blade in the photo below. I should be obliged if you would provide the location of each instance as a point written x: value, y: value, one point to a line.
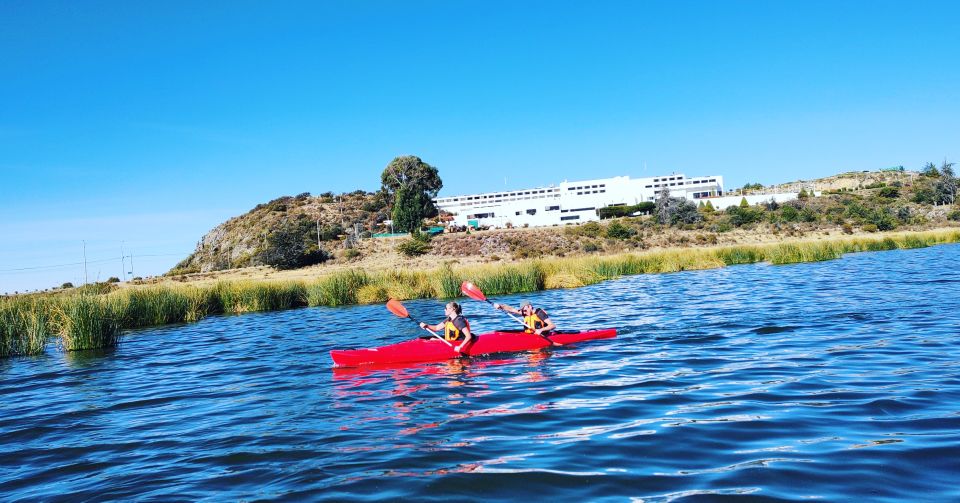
x: 472, y: 291
x: 395, y: 307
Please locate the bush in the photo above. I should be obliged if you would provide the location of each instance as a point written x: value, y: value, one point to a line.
x: 589, y: 229
x: 740, y: 216
x: 954, y: 215
x: 66, y: 285
x: 870, y: 228
x: 616, y: 230
x: 350, y: 254
x: 291, y: 246
x: 889, y: 192
x: 625, y: 211
x: 113, y: 279
x: 413, y: 247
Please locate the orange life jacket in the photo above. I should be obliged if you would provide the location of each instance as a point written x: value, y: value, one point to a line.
x: 451, y: 332
x: 533, y: 321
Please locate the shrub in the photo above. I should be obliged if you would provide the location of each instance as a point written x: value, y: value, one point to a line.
x: 66, y: 285
x: 413, y: 247
x: 589, y: 229
x: 351, y: 253
x: 590, y: 247
x: 889, y: 192
x: 847, y: 228
x: 870, y: 228
x: 740, y: 216
x: 291, y: 245
x: 113, y: 279
x: 616, y: 230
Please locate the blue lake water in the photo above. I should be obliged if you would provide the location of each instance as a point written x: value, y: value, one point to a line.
x: 835, y: 381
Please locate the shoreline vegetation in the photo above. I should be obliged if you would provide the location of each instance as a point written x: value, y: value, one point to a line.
x: 93, y: 318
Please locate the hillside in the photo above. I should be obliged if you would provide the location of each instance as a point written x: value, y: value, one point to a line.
x: 241, y: 241
x: 852, y: 203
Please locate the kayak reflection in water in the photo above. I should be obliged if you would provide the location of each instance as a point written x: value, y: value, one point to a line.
x: 537, y: 320
x: 455, y: 327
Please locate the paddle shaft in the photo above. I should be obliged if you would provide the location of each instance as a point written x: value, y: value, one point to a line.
x: 525, y: 324
x: 418, y: 322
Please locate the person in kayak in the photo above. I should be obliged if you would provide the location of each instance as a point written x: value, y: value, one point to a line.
x: 536, y: 319
x: 455, y: 327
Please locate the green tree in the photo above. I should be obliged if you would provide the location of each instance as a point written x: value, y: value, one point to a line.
x: 293, y: 244
x: 412, y: 184
x: 744, y: 203
x: 708, y: 208
x: 803, y: 194
x: 930, y: 170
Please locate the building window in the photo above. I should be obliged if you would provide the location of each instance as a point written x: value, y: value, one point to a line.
x: 552, y: 208
x: 571, y: 217
x: 531, y: 212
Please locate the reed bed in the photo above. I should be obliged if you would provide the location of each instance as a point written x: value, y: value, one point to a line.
x: 24, y: 326
x: 90, y: 321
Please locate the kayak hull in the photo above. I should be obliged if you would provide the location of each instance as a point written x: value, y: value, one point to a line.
x: 429, y: 350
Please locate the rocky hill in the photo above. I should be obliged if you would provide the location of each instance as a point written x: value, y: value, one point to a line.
x: 241, y: 241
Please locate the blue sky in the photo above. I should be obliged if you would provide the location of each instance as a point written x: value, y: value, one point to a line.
x: 146, y: 124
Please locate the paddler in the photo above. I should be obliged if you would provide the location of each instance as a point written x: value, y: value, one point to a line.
x: 536, y: 319
x: 455, y: 327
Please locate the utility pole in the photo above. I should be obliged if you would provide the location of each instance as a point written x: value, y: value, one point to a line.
x: 86, y: 279
x: 131, y: 264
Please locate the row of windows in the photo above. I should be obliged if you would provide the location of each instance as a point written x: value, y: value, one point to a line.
x: 592, y: 192
x: 668, y: 179
x: 498, y: 196
x: 602, y: 185
x: 689, y: 182
x: 532, y: 211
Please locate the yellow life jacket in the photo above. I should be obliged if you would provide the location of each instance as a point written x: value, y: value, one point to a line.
x: 533, y: 321
x: 451, y: 332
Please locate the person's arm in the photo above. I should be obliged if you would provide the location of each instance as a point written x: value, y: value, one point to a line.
x: 435, y: 328
x: 504, y: 307
x: 467, y: 337
x: 547, y: 326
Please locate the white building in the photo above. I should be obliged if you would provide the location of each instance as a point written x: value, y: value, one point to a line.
x: 570, y: 202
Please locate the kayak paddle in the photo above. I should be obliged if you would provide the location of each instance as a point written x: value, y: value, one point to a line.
x: 395, y: 307
x: 475, y: 293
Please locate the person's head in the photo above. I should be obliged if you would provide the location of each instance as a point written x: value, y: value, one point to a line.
x: 526, y: 308
x: 453, y: 309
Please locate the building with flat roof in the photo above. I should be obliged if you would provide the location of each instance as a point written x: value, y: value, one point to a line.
x: 570, y: 202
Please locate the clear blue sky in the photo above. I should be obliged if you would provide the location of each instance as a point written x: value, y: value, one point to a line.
x: 145, y: 124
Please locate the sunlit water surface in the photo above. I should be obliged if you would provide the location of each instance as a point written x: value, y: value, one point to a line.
x: 836, y: 380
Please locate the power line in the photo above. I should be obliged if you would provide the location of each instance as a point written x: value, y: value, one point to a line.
x: 74, y: 264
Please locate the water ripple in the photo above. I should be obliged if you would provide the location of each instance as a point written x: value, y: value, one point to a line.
x: 831, y: 381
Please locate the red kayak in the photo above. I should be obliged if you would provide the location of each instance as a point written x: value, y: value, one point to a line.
x: 432, y: 349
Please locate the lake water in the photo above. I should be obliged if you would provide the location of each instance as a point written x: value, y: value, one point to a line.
x: 836, y: 381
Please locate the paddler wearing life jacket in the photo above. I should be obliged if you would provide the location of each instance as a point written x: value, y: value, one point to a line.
x: 536, y: 319
x: 455, y: 327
